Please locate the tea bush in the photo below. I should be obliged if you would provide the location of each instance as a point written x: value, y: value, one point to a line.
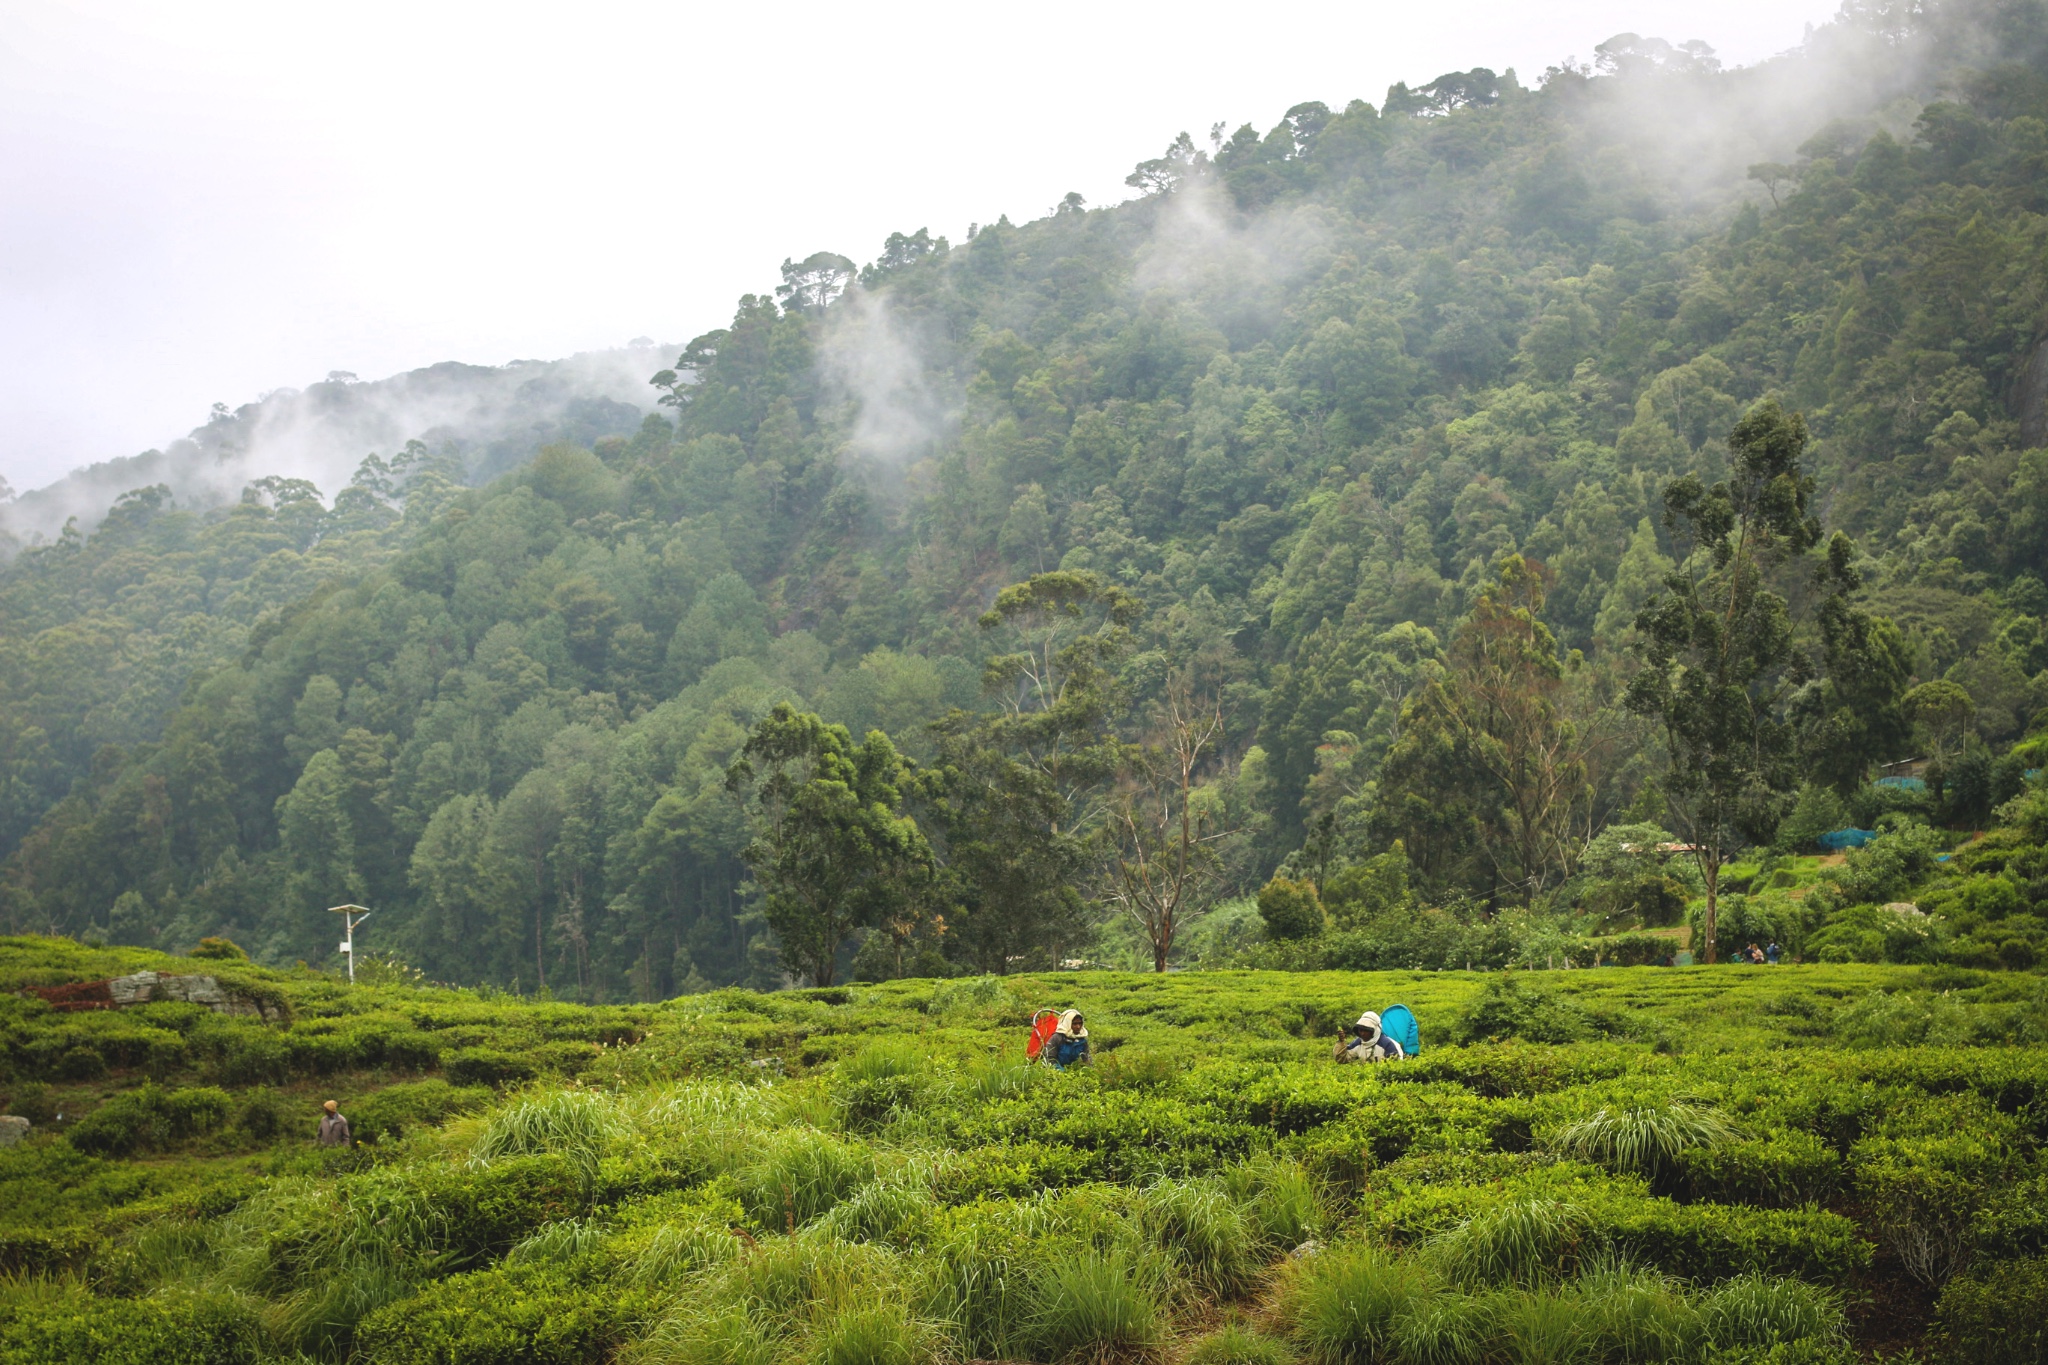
x: 1628, y: 1164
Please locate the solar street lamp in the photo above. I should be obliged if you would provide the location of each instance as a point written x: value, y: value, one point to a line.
x: 351, y: 916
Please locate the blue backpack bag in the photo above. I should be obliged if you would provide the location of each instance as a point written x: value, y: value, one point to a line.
x: 1398, y: 1022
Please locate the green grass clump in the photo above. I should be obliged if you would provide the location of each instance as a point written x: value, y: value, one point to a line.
x: 1752, y: 1311
x: 875, y: 1334
x: 1527, y: 1241
x: 1347, y: 1303
x: 1235, y: 1345
x: 1647, y: 1141
x: 800, y: 1175
x: 1203, y: 1232
x: 1094, y: 1306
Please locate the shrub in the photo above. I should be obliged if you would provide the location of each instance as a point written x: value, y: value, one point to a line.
x: 1291, y: 909
x: 487, y: 1066
x: 219, y: 950
x: 1509, y: 1009
x: 1786, y: 1170
x: 149, y: 1120
x: 513, y: 1315
x: 1997, y: 1314
x: 1094, y: 1306
x: 73, y: 1328
x: 398, y: 1109
x: 266, y: 1115
x: 1923, y: 1194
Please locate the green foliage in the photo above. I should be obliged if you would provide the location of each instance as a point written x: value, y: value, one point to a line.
x: 533, y: 1315
x: 62, y: 1325
x: 150, y: 1120
x: 1290, y: 909
x: 1510, y: 1009
x: 1997, y: 1314
x: 398, y: 1109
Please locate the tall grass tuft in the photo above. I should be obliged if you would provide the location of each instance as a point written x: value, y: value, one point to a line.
x: 1633, y: 1314
x: 1235, y: 1345
x: 567, y: 1123
x: 879, y: 1083
x: 1529, y: 1241
x: 1278, y: 1197
x: 171, y: 1250
x: 977, y: 1278
x: 559, y: 1242
x: 1204, y: 1233
x: 339, y: 1260
x: 1540, y: 1328
x: 676, y: 1251
x: 798, y: 1176
x: 786, y: 1279
x: 1346, y: 1304
x: 1644, y: 1141
x: 1091, y: 1306
x: 1447, y: 1329
x: 873, y: 1334
x: 880, y: 1212
x: 969, y: 999
x: 996, y: 1079
x: 1751, y: 1311
x: 725, y: 1335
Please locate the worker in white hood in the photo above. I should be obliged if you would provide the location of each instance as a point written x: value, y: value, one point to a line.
x: 1367, y: 1042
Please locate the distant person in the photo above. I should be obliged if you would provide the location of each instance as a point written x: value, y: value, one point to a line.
x: 1755, y: 955
x: 1771, y: 954
x: 1368, y: 1043
x: 1068, y: 1045
x: 333, y: 1126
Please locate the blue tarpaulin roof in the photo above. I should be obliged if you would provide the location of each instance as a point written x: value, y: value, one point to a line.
x: 1846, y: 838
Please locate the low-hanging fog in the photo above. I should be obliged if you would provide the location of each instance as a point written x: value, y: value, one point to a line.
x: 207, y: 205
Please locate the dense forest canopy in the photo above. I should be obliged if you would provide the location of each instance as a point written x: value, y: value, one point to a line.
x: 1333, y: 508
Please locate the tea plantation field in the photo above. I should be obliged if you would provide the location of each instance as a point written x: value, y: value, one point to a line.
x: 1793, y: 1163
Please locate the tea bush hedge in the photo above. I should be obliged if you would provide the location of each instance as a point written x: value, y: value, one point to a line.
x: 1630, y: 1164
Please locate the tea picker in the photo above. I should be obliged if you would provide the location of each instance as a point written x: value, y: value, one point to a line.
x: 1391, y: 1037
x: 1058, y: 1037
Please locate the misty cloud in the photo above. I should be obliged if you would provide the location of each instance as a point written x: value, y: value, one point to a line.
x: 497, y: 416
x: 872, y: 359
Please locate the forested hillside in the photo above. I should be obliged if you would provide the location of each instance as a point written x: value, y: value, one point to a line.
x: 1410, y: 500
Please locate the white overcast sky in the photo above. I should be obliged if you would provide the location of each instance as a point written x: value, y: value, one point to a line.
x: 203, y: 201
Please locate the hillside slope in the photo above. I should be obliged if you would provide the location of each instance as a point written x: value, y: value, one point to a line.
x: 1304, y: 398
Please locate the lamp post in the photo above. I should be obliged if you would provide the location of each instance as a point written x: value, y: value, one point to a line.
x: 351, y: 916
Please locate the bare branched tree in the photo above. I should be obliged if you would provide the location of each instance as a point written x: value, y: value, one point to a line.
x: 1163, y: 866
